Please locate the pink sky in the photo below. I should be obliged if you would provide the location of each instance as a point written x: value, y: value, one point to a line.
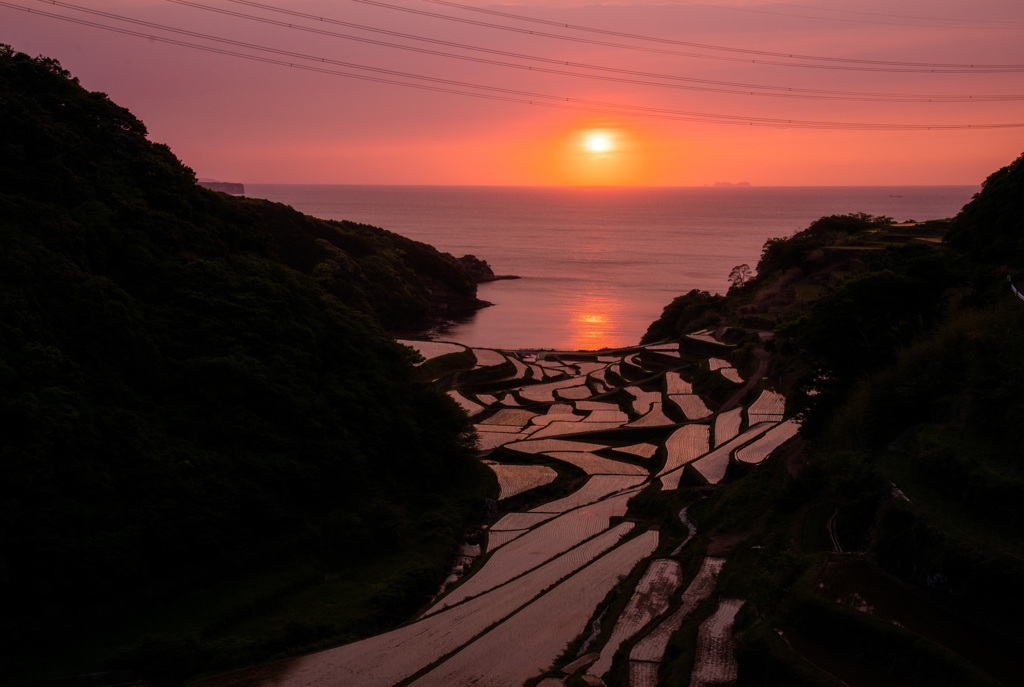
x: 240, y: 120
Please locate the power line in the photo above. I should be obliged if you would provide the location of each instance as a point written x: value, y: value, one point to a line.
x: 958, y: 24
x: 959, y: 21
x: 452, y: 86
x: 707, y: 85
x: 831, y: 62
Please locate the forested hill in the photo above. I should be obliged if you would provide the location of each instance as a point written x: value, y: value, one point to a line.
x: 196, y: 390
x: 901, y: 348
x: 79, y: 154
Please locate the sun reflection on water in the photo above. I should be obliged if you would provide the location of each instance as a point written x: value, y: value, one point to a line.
x: 595, y: 321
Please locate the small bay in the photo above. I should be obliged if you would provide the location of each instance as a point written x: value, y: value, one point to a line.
x: 597, y: 265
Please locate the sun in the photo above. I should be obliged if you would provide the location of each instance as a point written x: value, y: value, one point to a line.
x: 600, y: 154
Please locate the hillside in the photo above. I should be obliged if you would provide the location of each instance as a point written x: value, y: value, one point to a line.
x: 206, y: 421
x: 885, y: 547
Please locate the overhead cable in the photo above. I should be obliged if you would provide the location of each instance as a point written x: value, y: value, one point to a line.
x: 678, y: 82
x: 843, y: 63
x: 424, y: 82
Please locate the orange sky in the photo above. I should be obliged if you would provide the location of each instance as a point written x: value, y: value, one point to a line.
x: 243, y: 120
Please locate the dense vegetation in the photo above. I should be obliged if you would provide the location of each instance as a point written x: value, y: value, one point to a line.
x: 904, y: 354
x: 203, y: 415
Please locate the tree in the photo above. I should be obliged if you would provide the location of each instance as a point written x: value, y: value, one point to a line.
x: 740, y: 275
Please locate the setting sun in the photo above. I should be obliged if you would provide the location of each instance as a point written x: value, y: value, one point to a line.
x: 601, y: 154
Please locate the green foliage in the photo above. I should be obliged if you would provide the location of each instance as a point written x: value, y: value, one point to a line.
x: 896, y: 654
x: 782, y: 254
x: 195, y: 389
x: 906, y: 359
x: 688, y: 313
x: 768, y: 662
x: 862, y: 324
x: 990, y: 228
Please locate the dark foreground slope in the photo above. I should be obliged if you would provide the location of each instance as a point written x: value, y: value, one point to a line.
x: 887, y: 546
x: 203, y: 418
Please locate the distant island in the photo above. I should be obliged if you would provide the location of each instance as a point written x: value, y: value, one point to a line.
x: 729, y: 183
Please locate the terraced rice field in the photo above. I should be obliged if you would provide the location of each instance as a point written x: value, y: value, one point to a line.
x: 574, y: 393
x: 643, y: 674
x: 732, y: 374
x: 595, y: 405
x: 715, y: 663
x: 471, y: 407
x: 607, y: 416
x: 713, y: 466
x: 675, y: 384
x: 654, y: 418
x: 524, y: 645
x: 411, y: 648
x: 541, y: 544
x: 499, y: 538
x: 772, y: 439
x: 546, y: 392
x: 504, y: 429
x: 433, y: 349
x: 769, y: 407
x: 686, y: 444
x: 560, y: 409
x: 556, y: 428
x: 488, y: 440
x: 663, y: 348
x: 693, y: 406
x: 521, y: 368
x: 650, y: 599
x: 510, y: 417
x: 516, y: 479
x: 538, y: 373
x: 545, y: 571
x: 593, y: 464
x: 591, y: 368
x: 647, y: 654
x: 486, y: 357
x: 642, y: 450
x: 597, y: 487
x: 526, y: 587
x: 727, y: 425
x: 520, y: 521
x: 547, y: 445
x: 704, y: 336
x: 643, y: 401
x: 544, y: 420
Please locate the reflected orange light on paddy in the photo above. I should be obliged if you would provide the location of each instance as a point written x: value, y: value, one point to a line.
x: 600, y: 154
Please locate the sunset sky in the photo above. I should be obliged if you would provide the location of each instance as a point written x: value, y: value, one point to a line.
x: 815, y: 92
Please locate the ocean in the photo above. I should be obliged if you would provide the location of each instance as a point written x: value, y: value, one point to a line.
x: 598, y: 265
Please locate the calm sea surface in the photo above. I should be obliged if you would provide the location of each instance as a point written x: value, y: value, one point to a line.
x: 598, y: 265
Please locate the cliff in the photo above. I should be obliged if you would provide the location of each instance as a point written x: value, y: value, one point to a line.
x: 230, y: 187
